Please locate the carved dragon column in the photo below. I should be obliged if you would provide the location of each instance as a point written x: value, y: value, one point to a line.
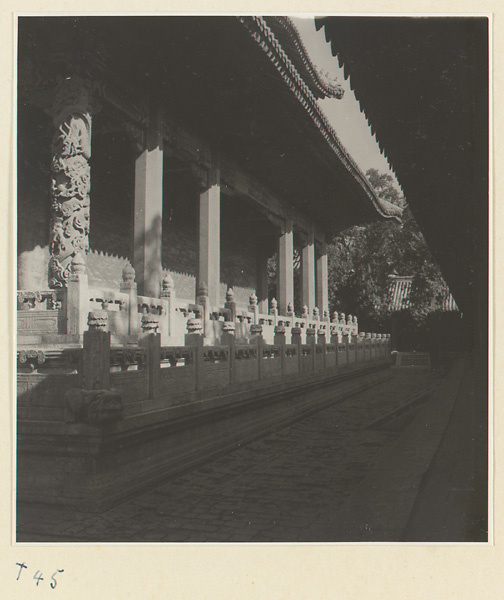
x: 70, y: 178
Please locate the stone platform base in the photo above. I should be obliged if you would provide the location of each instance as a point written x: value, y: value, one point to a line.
x: 93, y: 467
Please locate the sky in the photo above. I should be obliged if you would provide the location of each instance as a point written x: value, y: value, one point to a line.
x: 344, y: 115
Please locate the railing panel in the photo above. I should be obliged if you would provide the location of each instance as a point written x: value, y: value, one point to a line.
x: 306, y: 358
x: 215, y: 367
x: 41, y: 312
x: 351, y: 352
x: 177, y: 370
x: 319, y: 357
x: 291, y: 359
x: 132, y: 385
x: 127, y: 359
x: 245, y: 363
x: 40, y: 321
x: 342, y: 354
x: 40, y: 396
x: 330, y: 355
x: 272, y: 361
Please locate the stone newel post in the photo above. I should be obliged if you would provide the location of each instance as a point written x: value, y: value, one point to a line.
x: 168, y: 298
x: 253, y: 307
x: 230, y: 304
x: 129, y: 286
x: 77, y: 297
x: 70, y: 178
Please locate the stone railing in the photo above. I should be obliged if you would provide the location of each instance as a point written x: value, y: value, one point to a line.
x: 148, y: 371
x: 127, y: 315
x: 41, y: 312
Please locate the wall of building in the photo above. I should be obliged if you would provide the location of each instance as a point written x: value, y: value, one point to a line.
x: 238, y: 257
x: 180, y: 230
x: 33, y: 199
x: 111, y: 210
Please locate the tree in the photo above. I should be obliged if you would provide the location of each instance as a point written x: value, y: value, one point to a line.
x: 362, y: 258
x: 383, y: 183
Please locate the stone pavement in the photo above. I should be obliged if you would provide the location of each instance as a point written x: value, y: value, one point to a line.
x: 284, y: 487
x: 452, y: 500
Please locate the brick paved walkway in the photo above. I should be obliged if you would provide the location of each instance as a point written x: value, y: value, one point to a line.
x: 282, y: 487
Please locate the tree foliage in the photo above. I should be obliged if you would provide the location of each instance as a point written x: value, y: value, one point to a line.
x: 383, y: 183
x: 362, y: 258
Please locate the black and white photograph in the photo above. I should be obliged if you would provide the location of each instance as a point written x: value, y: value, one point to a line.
x: 252, y: 280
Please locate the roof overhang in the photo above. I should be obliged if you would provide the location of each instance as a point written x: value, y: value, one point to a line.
x: 230, y: 80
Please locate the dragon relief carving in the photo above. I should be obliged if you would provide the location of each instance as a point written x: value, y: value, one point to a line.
x: 70, y: 182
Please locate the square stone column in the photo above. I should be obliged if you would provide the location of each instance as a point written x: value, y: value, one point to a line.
x: 285, y: 268
x: 262, y: 279
x: 209, y: 237
x: 308, y: 273
x: 149, y: 211
x: 322, y: 294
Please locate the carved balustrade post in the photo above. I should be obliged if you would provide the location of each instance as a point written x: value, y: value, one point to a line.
x: 347, y: 342
x: 152, y: 342
x: 168, y: 300
x: 194, y: 338
x: 321, y: 341
x: 349, y: 323
x: 290, y: 310
x: 279, y: 339
x: 342, y: 323
x: 360, y: 341
x: 335, y: 339
x: 296, y: 339
x: 253, y: 308
x: 203, y: 300
x: 70, y: 178
x: 95, y: 367
x: 305, y: 316
x: 228, y: 339
x: 279, y: 335
x: 128, y: 286
x: 367, y: 347
x: 311, y: 341
x: 230, y: 304
x: 257, y: 339
x: 388, y: 345
x: 274, y: 310
x: 149, y: 324
x: 228, y: 333
x: 77, y: 304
